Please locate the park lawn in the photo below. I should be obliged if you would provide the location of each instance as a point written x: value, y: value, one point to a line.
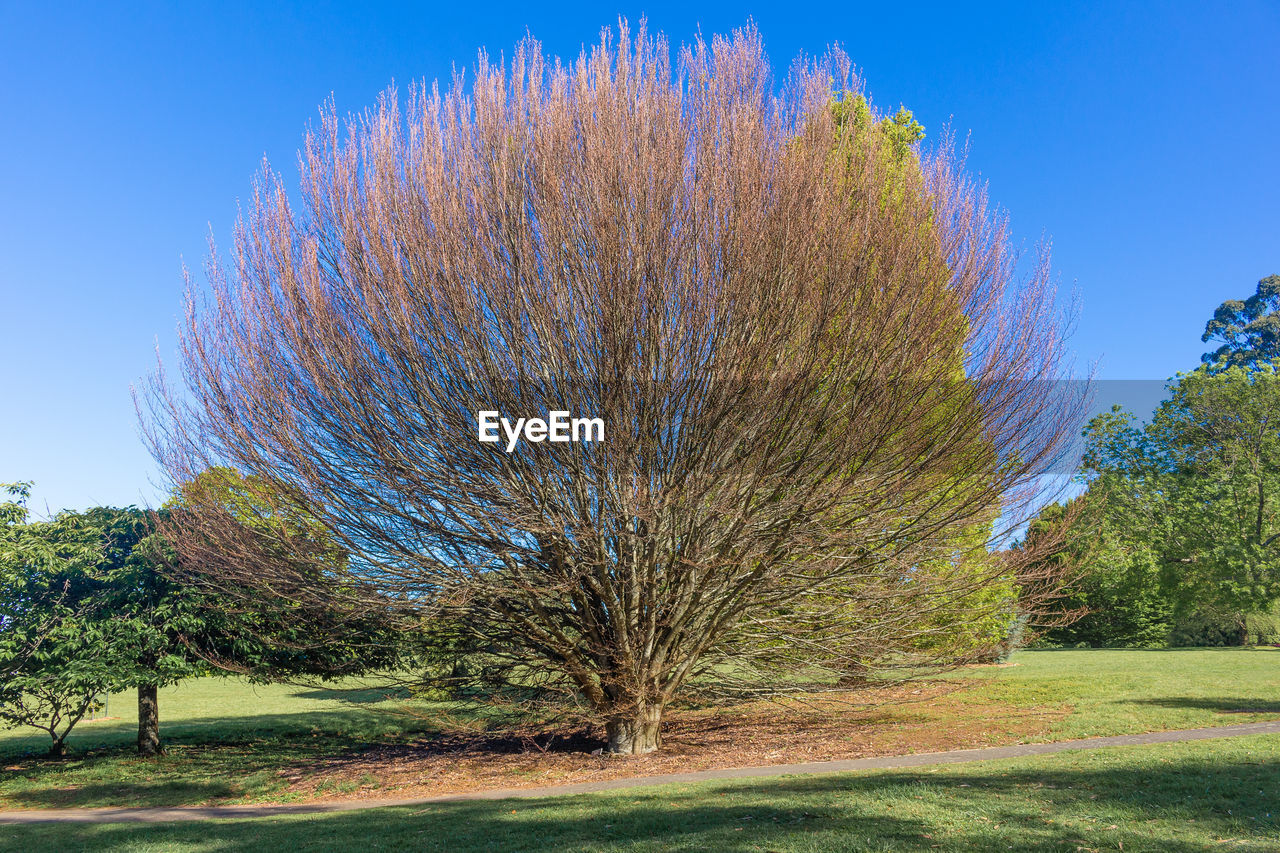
x: 1121, y: 691
x: 232, y: 742
x: 1167, y: 797
x: 215, y: 709
x: 226, y: 740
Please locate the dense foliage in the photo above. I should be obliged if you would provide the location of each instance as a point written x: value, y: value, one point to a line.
x: 1184, y: 547
x: 57, y: 653
x: 93, y: 602
x: 1248, y: 330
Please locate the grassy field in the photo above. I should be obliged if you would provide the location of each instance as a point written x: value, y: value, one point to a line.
x: 230, y: 741
x: 216, y: 709
x: 1111, y: 692
x: 225, y: 740
x: 1171, y: 797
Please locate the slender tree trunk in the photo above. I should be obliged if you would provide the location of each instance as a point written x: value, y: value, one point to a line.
x: 58, y: 749
x: 635, y: 733
x: 148, y: 720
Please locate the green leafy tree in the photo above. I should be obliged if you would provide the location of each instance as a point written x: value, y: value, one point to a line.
x: 1248, y: 330
x: 1122, y: 592
x: 56, y: 655
x: 980, y: 622
x: 1219, y: 441
x: 1187, y: 538
x: 1197, y: 490
x: 89, y: 612
x: 154, y: 617
x: 1115, y: 598
x: 982, y: 609
x: 95, y: 602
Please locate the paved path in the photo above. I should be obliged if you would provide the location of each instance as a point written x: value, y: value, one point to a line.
x: 955, y: 756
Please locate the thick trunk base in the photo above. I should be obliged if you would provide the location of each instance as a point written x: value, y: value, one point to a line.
x: 148, y: 720
x: 635, y: 734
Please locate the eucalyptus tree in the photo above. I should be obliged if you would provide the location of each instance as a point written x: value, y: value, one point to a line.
x: 1247, y: 330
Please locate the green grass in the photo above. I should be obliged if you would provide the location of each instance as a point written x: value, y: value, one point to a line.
x: 216, y: 709
x: 1124, y: 692
x: 1169, y: 797
x: 228, y: 740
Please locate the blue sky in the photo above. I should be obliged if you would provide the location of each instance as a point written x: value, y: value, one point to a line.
x: 1142, y: 138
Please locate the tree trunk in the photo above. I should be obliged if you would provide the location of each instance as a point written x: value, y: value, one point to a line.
x: 58, y: 749
x: 148, y: 720
x: 856, y: 674
x: 635, y: 733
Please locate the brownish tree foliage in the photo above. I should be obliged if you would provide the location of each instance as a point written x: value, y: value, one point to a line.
x: 816, y: 372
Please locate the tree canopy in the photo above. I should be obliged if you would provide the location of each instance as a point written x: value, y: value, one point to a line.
x: 57, y: 653
x: 95, y: 602
x: 1248, y: 330
x: 1187, y: 522
x: 674, y: 247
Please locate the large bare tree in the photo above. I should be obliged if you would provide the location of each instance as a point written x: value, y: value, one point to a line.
x: 817, y: 370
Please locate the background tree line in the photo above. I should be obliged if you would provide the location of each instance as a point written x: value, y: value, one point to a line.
x: 1183, y: 541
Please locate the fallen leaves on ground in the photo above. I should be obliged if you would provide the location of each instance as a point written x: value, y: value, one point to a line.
x: 891, y: 721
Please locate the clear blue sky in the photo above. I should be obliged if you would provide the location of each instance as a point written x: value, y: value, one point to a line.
x: 1142, y: 138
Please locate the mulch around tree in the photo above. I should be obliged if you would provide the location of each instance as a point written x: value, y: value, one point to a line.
x: 910, y: 718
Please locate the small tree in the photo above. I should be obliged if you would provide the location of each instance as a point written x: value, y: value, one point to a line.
x: 55, y: 656
x: 170, y: 625
x: 92, y: 602
x: 765, y: 328
x: 149, y: 615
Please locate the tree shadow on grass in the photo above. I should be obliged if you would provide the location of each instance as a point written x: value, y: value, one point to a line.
x: 358, y: 695
x: 1226, y: 705
x: 358, y: 725
x: 205, y: 761
x: 149, y: 794
x: 185, y: 775
x: 252, y: 758
x: 1165, y: 804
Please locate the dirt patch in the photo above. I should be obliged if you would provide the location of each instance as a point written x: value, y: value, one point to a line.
x: 907, y: 719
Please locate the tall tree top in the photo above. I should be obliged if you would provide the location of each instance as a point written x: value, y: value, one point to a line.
x: 1248, y: 330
